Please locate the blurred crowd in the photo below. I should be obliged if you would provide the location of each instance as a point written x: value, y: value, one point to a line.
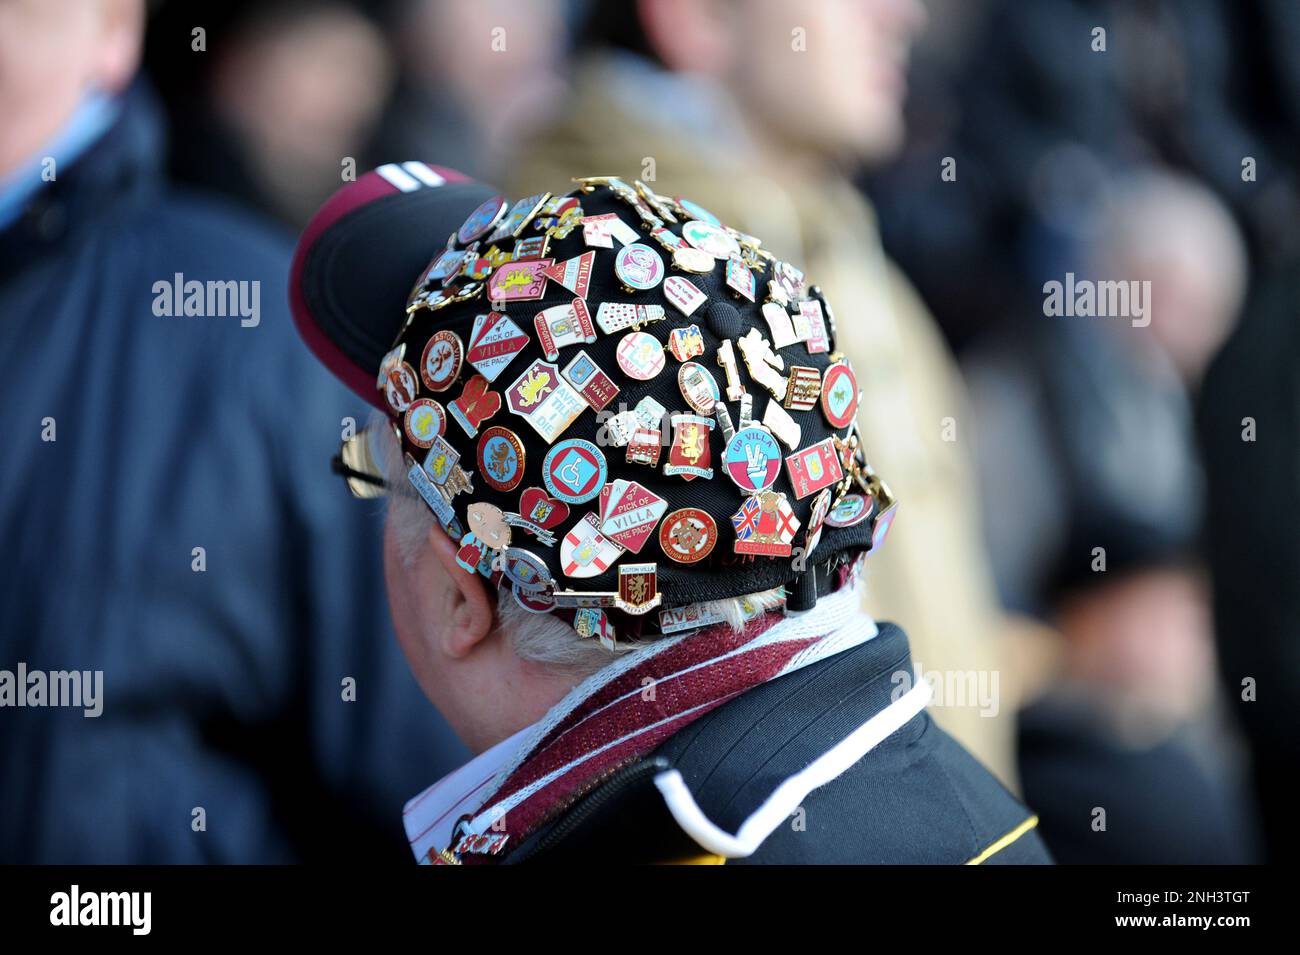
x: 1101, y: 510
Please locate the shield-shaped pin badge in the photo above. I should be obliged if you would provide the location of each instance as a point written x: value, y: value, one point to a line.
x: 545, y: 400
x: 585, y: 551
x: 689, y: 456
x: 638, y: 588
x: 686, y: 343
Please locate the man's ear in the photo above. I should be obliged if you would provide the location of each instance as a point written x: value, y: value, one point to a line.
x: 469, y: 610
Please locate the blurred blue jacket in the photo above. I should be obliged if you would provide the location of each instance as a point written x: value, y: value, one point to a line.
x: 223, y: 689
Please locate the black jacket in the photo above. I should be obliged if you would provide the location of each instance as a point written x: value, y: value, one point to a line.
x: 918, y: 797
x: 222, y: 687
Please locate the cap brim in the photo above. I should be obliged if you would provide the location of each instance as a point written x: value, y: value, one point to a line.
x: 357, y: 259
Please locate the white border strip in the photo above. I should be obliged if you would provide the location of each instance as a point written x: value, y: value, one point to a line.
x: 423, y: 173
x: 398, y: 177
x: 787, y: 797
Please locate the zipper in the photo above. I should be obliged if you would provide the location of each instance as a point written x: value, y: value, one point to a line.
x: 615, y: 784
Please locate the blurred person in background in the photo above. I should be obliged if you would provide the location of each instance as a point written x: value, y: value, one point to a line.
x: 1041, y: 121
x: 285, y: 93
x: 155, y: 525
x: 732, y: 98
x: 470, y: 74
x: 1095, y: 509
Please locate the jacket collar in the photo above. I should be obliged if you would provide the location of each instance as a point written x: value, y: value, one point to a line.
x: 726, y: 782
x: 120, y: 167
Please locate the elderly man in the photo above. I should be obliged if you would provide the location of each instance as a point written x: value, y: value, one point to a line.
x: 629, y: 516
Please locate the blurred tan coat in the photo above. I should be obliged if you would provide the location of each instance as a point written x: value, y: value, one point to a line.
x: 931, y: 575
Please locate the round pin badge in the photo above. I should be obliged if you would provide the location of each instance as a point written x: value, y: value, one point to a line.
x: 640, y: 356
x: 541, y: 602
x: 482, y: 219
x: 849, y: 510
x: 839, y: 395
x: 441, y: 361
x: 575, y: 471
x: 425, y: 420
x: 697, y: 211
x: 711, y: 239
x: 401, y: 386
x: 501, y: 458
x: 526, y: 569
x: 698, y: 387
x: 753, y: 459
x: 639, y: 267
x: 693, y: 260
x: 688, y: 535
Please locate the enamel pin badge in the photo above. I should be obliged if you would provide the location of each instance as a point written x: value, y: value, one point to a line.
x: 520, y: 214
x: 640, y: 356
x: 481, y: 220
x: 814, y: 468
x: 687, y: 535
x: 711, y: 239
x: 638, y: 267
x: 501, y: 458
x: 804, y: 389
x: 400, y: 387
x: 638, y: 588
x: 574, y: 274
x: 764, y: 364
x: 686, y: 343
x: 596, y: 387
x: 631, y: 515
x: 441, y: 362
x: 839, y: 395
x: 562, y: 325
x: 539, y: 515
x: 617, y: 316
x: 739, y: 279
x: 765, y: 525
x: 425, y: 420
x: 683, y: 294
x: 475, y: 405
x: 698, y: 388
x: 519, y: 281
x: 585, y: 551
x: 753, y: 459
x: 575, y: 470
x: 545, y: 400
x: 493, y: 343
x: 488, y: 535
x: 689, y: 455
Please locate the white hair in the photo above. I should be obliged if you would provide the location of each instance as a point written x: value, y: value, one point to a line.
x: 536, y: 637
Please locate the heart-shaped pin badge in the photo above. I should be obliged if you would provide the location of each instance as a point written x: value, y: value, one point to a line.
x: 543, y: 510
